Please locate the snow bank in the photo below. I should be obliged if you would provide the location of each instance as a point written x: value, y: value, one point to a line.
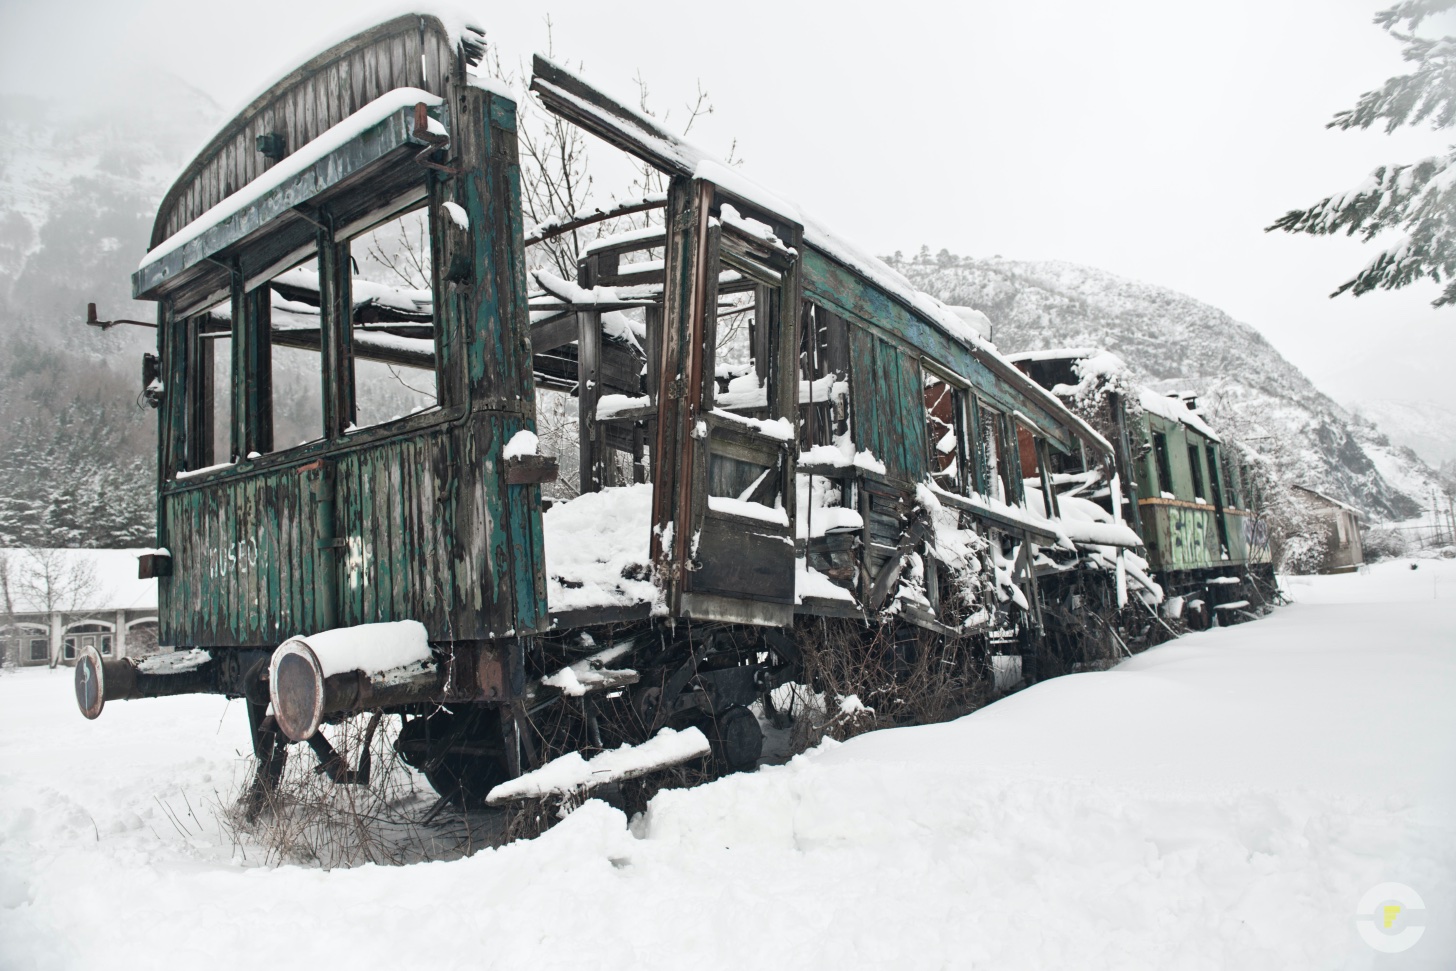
x: 1221, y: 801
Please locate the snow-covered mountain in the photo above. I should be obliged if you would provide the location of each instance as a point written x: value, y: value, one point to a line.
x: 1426, y: 428
x: 79, y: 186
x: 1173, y: 341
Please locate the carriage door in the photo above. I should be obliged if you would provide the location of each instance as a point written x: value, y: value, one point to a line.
x: 728, y: 389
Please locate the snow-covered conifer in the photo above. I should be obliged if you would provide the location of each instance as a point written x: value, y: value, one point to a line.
x: 1416, y: 200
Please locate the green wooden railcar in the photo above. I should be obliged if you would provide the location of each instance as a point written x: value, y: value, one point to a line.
x: 1205, y: 541
x: 790, y: 431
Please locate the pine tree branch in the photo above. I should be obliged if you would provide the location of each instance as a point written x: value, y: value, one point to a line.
x: 1428, y: 93
x: 1417, y: 200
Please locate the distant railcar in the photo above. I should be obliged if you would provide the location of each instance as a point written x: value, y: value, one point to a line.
x: 1205, y: 541
x: 772, y: 432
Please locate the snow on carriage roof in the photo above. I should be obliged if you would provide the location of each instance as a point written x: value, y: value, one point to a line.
x: 81, y: 580
x: 1052, y: 354
x: 1175, y: 409
x: 366, y: 117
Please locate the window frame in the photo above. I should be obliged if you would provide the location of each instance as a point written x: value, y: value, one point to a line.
x: 960, y: 414
x: 199, y: 451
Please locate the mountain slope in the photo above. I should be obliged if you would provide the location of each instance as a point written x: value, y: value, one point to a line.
x: 1172, y: 341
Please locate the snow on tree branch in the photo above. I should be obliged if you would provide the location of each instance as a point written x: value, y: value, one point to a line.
x: 1418, y: 201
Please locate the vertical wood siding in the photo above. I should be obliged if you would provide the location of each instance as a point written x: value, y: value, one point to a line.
x: 884, y: 382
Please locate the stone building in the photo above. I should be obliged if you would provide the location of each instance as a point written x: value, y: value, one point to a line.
x: 56, y: 602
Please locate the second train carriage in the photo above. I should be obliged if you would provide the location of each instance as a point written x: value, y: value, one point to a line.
x: 774, y: 430
x: 1206, y: 542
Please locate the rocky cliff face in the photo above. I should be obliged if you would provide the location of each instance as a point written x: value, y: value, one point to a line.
x: 1172, y: 341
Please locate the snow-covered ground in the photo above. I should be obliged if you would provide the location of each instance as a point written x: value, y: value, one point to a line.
x: 1220, y: 802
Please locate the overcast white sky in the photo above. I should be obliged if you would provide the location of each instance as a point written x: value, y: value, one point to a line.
x: 1152, y: 139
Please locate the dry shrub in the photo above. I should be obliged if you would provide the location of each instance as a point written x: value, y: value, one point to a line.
x: 309, y: 819
x: 858, y: 678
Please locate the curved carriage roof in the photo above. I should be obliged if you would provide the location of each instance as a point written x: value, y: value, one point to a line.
x: 414, y: 50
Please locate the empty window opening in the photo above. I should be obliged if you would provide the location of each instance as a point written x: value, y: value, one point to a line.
x: 823, y: 378
x: 1195, y: 471
x: 991, y: 448
x: 393, y: 321
x: 738, y: 363
x: 1162, y: 466
x: 296, y: 380
x: 944, y: 432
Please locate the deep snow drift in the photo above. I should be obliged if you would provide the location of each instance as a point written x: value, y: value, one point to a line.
x: 1223, y: 801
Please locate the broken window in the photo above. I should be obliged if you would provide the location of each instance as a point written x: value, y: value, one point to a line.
x: 823, y: 377
x: 208, y: 423
x: 993, y: 463
x: 294, y: 365
x: 945, y: 432
x: 740, y: 365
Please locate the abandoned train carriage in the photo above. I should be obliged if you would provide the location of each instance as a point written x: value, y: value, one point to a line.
x: 1207, y: 545
x: 772, y: 428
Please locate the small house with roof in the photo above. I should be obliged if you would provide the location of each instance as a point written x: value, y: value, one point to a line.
x: 1344, y: 552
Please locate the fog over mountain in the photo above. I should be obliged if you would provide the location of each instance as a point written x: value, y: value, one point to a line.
x: 1248, y: 389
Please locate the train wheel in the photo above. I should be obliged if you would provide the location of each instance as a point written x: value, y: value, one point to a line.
x: 736, y: 737
x: 461, y: 754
